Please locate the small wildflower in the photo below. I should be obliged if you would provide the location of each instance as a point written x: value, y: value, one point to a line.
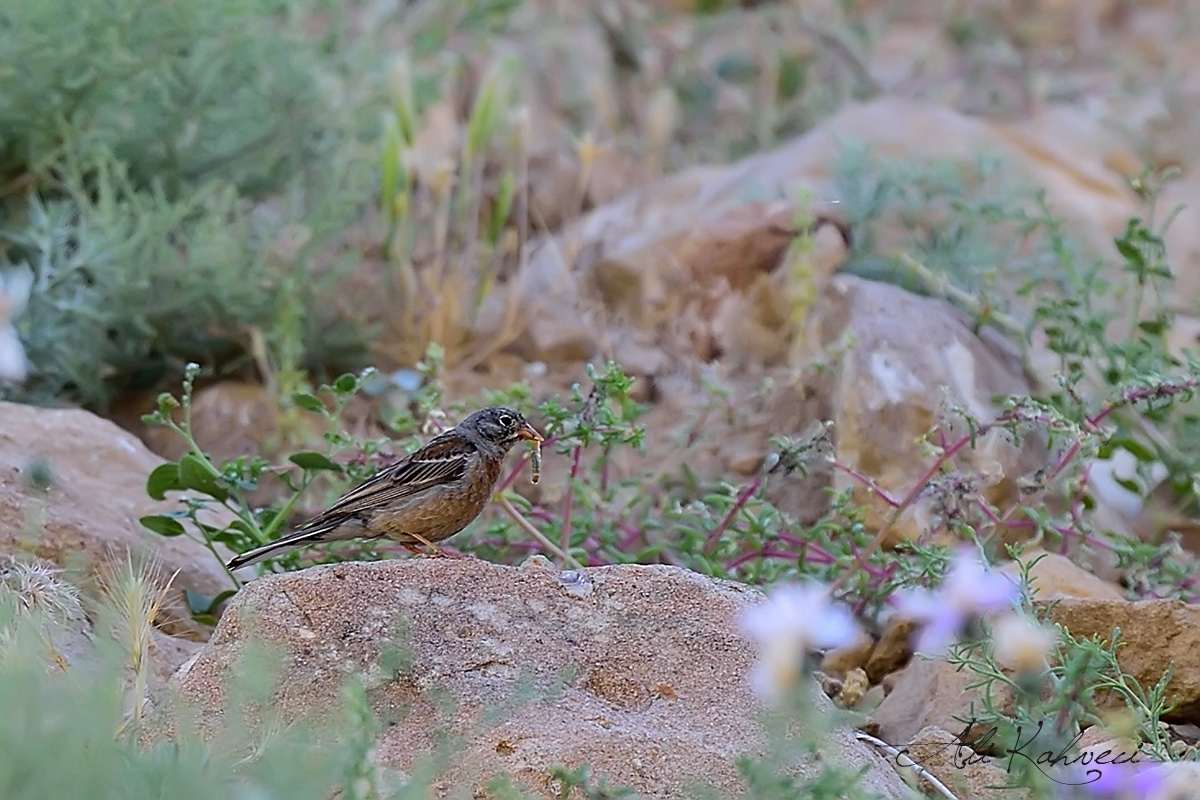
x: 792, y: 619
x: 1111, y: 781
x: 969, y: 590
x: 1022, y: 644
x: 14, y: 292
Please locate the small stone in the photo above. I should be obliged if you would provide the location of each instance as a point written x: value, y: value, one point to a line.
x: 575, y: 583
x: 852, y: 655
x: 854, y: 687
x: 893, y: 650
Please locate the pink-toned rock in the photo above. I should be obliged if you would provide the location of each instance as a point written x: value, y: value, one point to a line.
x: 89, y: 514
x: 655, y: 694
x: 930, y: 692
x: 901, y: 360
x: 1052, y: 575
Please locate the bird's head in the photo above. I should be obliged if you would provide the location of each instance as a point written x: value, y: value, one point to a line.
x: 501, y: 426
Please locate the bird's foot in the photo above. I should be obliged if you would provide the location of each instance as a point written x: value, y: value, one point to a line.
x: 433, y: 550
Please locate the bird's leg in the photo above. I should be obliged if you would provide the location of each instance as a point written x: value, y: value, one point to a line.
x: 437, y: 551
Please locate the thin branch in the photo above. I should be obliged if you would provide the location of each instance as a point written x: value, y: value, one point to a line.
x: 896, y: 755
x: 529, y: 528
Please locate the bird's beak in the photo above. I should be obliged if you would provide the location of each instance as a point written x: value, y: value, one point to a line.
x: 527, y: 431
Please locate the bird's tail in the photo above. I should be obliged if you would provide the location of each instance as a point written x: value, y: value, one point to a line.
x: 301, y: 538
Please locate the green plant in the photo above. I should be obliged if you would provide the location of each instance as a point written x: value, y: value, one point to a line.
x: 1057, y: 703
x: 54, y: 708
x: 168, y: 176
x: 180, y: 94
x: 210, y: 486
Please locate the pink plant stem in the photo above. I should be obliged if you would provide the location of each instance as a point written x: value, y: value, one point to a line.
x: 808, y: 551
x: 867, y: 482
x: 788, y: 538
x: 738, y: 505
x: 867, y: 568
x: 753, y: 554
x: 632, y: 534
x: 818, y: 554
x: 1153, y: 392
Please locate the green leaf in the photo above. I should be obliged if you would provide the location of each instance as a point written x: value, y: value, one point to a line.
x: 198, y: 602
x: 201, y: 604
x: 162, y: 525
x: 1154, y: 327
x: 308, y: 402
x: 345, y: 384
x: 198, y: 476
x: 1129, y: 484
x: 1138, y: 450
x: 311, y: 459
x: 162, y: 479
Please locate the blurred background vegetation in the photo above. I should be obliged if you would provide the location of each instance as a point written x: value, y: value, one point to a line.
x: 201, y: 182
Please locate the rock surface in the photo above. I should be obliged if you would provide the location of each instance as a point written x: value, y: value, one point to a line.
x: 935, y: 749
x: 89, y: 514
x: 930, y: 692
x: 904, y: 361
x: 655, y: 252
x: 1052, y: 575
x: 638, y: 670
x: 1154, y: 634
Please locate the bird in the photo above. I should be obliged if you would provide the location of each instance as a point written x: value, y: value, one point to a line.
x: 426, y: 497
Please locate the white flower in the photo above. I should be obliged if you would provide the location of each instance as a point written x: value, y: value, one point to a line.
x: 1021, y: 643
x: 970, y: 589
x: 791, y: 620
x: 14, y: 291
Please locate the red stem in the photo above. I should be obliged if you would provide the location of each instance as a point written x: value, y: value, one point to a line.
x: 738, y: 505
x: 763, y: 553
x: 867, y: 482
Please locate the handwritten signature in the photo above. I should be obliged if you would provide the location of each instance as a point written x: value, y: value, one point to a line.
x: 965, y: 754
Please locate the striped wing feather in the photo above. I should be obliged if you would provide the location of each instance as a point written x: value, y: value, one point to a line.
x: 443, y: 460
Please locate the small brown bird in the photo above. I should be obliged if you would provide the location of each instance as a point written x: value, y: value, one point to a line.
x: 429, y: 496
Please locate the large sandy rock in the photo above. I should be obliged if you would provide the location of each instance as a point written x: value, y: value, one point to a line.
x: 1053, y: 575
x: 637, y: 670
x: 1154, y: 634
x: 89, y: 514
x: 902, y: 363
x: 667, y: 252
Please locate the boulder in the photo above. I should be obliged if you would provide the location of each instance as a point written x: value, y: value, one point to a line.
x: 901, y: 364
x: 637, y: 671
x: 95, y: 491
x: 1154, y: 635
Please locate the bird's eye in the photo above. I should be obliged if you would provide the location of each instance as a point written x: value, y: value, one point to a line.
x: 505, y: 420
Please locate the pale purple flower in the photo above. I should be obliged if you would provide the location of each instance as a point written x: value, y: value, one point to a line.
x: 1022, y: 644
x: 1124, y: 781
x: 969, y: 590
x: 793, y: 619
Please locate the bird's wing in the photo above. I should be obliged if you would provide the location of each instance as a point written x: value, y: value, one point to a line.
x: 443, y: 460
